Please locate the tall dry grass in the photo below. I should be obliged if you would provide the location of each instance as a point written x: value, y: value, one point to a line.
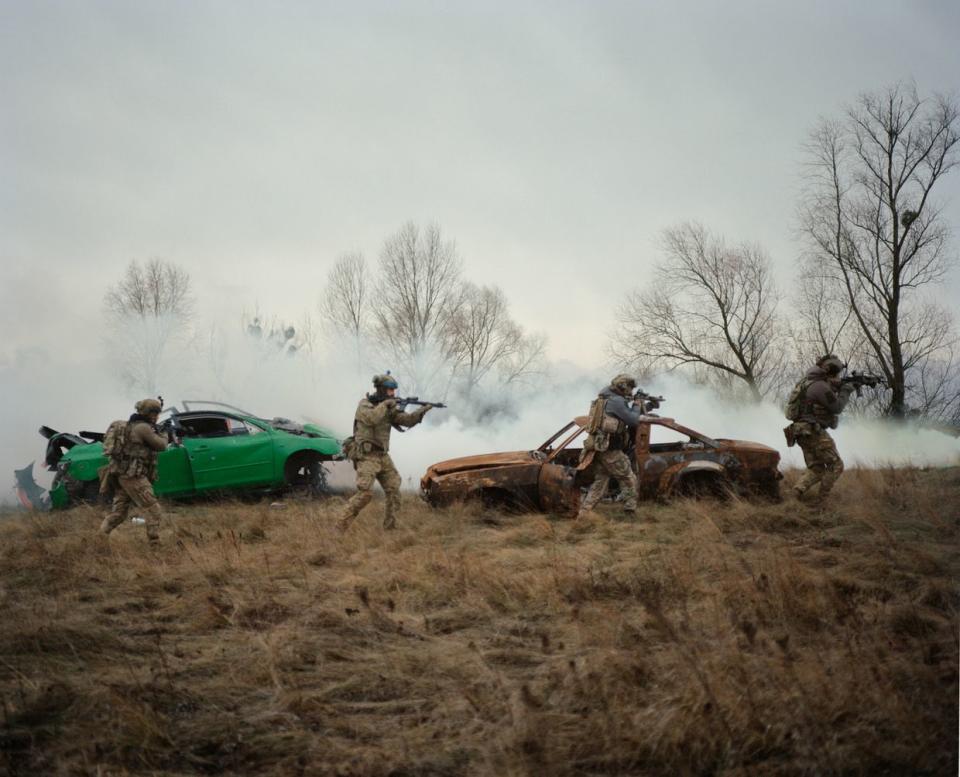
x: 709, y: 638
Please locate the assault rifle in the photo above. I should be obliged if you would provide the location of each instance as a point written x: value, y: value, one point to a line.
x: 858, y: 380
x: 402, y: 402
x: 647, y: 402
x: 173, y: 429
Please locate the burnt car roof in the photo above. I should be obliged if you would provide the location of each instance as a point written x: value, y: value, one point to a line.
x: 581, y: 421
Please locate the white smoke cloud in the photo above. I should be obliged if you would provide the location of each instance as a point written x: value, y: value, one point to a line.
x: 861, y: 441
x: 70, y: 389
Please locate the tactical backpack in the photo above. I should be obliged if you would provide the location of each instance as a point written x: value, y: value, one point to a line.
x: 597, y: 408
x: 115, y: 440
x: 600, y: 426
x: 796, y: 399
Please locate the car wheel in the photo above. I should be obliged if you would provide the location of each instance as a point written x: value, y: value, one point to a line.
x: 305, y: 475
x: 698, y: 485
x: 89, y: 492
x: 505, y: 501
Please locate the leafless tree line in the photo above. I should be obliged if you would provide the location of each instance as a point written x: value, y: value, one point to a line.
x: 419, y: 314
x: 876, y: 246
x: 154, y: 289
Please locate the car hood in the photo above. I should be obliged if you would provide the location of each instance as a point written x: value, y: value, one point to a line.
x: 300, y: 430
x: 747, y: 445
x: 486, y: 461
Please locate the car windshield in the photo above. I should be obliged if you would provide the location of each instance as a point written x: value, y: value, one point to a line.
x: 192, y: 405
x: 548, y: 445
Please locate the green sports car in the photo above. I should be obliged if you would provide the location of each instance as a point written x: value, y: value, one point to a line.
x: 218, y: 448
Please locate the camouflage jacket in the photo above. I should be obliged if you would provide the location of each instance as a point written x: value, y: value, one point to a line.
x: 138, y: 455
x: 374, y: 421
x: 823, y: 403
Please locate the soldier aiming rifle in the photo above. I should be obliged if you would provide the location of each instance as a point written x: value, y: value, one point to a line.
x: 377, y: 414
x: 814, y: 407
x: 614, y: 416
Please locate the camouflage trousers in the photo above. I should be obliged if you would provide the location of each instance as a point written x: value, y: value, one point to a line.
x: 134, y: 492
x: 374, y: 467
x: 824, y: 464
x: 611, y: 464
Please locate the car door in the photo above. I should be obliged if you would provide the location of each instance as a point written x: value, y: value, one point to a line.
x: 174, y: 475
x: 556, y: 484
x: 228, y: 452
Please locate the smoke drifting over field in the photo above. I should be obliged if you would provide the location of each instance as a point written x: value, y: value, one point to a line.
x: 72, y: 393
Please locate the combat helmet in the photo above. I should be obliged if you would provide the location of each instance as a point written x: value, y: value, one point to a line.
x: 148, y: 406
x: 831, y: 364
x: 384, y: 381
x: 623, y: 384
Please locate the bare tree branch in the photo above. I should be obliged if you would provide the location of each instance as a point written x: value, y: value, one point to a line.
x: 710, y: 307
x: 480, y: 338
x: 874, y: 234
x: 345, y: 303
x: 418, y: 288
x: 155, y: 289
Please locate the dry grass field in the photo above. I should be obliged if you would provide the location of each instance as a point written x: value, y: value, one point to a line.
x: 710, y: 638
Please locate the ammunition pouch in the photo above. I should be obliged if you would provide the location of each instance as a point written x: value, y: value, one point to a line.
x: 599, y: 442
x: 350, y: 449
x: 790, y: 436
x: 610, y: 425
x: 108, y: 481
x: 368, y: 446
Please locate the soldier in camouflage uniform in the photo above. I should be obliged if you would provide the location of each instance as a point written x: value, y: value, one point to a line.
x: 608, y: 443
x: 134, y: 467
x: 376, y: 416
x: 821, y: 403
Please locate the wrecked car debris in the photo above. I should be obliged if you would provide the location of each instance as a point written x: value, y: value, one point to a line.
x: 670, y: 460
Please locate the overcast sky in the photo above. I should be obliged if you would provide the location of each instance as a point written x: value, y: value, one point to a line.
x: 253, y: 142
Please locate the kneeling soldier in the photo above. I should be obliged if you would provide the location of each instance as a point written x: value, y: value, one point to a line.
x: 376, y: 415
x: 133, y: 465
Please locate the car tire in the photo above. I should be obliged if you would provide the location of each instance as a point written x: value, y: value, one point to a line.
x: 305, y: 475
x: 90, y: 493
x: 504, y: 501
x: 698, y: 485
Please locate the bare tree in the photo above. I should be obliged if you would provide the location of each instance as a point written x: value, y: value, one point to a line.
x: 417, y: 289
x: 526, y: 363
x: 710, y: 308
x: 156, y: 289
x: 346, y: 298
x: 480, y: 337
x: 149, y: 314
x: 876, y: 236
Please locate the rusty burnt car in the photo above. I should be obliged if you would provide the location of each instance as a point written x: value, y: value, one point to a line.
x: 670, y: 460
